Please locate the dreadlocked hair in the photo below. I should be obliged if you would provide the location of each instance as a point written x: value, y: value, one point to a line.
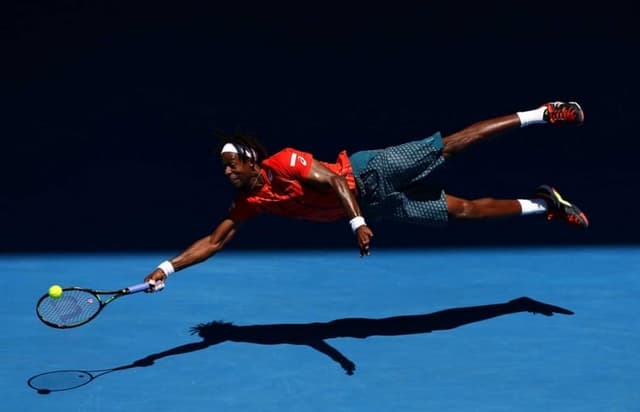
x: 249, y: 148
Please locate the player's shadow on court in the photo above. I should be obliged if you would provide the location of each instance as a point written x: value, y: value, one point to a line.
x: 310, y: 334
x: 315, y: 334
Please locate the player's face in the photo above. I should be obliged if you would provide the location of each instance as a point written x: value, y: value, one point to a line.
x: 239, y: 173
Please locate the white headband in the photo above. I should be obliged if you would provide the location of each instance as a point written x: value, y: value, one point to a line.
x: 231, y: 148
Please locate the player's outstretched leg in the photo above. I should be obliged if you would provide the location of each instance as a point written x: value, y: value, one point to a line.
x: 546, y: 201
x: 553, y: 113
x: 557, y: 207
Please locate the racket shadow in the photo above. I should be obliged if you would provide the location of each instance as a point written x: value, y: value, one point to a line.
x: 309, y: 334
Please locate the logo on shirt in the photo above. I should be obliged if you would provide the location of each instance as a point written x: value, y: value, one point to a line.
x: 294, y: 158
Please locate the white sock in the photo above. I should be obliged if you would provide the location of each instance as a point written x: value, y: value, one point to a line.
x: 534, y: 116
x: 532, y: 206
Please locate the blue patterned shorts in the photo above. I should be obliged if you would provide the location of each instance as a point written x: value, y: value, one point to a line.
x: 392, y: 182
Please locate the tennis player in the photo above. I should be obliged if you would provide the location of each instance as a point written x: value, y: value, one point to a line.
x: 391, y: 183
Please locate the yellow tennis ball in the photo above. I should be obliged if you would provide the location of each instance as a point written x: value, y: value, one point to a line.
x: 55, y: 292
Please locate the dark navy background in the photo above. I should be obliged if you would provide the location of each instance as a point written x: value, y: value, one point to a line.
x: 109, y: 113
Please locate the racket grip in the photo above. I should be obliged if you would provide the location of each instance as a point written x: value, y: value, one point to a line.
x: 139, y: 287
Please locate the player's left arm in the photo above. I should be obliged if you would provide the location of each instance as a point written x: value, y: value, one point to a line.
x: 321, y: 176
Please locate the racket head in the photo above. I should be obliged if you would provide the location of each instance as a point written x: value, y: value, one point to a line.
x: 61, y: 380
x: 74, y: 308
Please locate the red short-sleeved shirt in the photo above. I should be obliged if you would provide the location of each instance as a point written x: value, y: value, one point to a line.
x: 285, y: 193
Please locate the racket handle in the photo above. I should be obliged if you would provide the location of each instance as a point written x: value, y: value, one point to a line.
x: 139, y: 287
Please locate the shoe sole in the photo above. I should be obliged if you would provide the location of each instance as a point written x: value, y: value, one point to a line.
x: 556, y: 196
x: 572, y: 206
x: 581, y: 113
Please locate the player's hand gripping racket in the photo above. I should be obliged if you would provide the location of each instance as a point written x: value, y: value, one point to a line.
x: 78, y: 306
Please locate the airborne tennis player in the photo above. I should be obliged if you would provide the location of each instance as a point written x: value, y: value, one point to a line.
x: 391, y: 183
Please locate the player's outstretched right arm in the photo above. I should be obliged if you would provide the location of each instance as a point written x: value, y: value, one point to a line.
x: 199, y: 251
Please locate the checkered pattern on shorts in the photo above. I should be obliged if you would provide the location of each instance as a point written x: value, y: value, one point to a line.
x: 393, y: 185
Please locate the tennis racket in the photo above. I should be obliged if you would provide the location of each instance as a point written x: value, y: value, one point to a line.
x: 78, y: 306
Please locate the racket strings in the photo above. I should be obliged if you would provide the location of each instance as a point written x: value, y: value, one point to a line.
x: 73, y: 307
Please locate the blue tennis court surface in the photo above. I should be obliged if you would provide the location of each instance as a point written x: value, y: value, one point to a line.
x: 283, y: 304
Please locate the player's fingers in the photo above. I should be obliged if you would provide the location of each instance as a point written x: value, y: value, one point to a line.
x: 151, y: 283
x: 364, y: 249
x: 155, y: 286
x: 367, y: 242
